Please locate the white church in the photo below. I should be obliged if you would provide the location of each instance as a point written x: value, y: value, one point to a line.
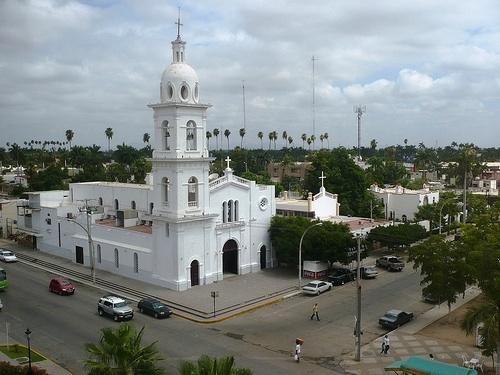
x: 180, y: 229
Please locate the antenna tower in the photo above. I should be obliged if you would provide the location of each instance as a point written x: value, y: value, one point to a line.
x: 313, y: 99
x: 244, y: 107
x: 359, y: 110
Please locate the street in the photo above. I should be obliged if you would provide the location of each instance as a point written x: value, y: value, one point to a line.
x: 261, y: 340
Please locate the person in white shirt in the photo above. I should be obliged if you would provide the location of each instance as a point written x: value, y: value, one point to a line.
x: 385, y: 345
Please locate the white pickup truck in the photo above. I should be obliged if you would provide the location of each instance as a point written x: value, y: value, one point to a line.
x: 390, y: 262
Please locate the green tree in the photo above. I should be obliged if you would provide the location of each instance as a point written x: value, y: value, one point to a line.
x: 139, y: 169
x: 52, y: 178
x: 120, y: 351
x: 69, y: 136
x: 208, y: 135
x: 260, y: 135
x: 145, y: 138
x: 227, y: 133
x: 443, y: 267
x: 109, y: 135
x: 242, y: 134
x: 125, y: 154
x: 284, y: 136
x: 395, y: 236
x: 425, y: 160
x: 304, y: 139
x: 117, y: 173
x: 212, y: 366
x: 325, y: 136
x: 216, y: 133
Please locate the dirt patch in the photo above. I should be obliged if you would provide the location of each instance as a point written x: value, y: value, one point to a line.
x: 448, y: 327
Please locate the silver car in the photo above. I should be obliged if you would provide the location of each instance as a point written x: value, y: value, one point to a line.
x: 316, y: 287
x: 7, y: 256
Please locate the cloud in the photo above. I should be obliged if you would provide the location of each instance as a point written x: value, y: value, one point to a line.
x: 426, y: 70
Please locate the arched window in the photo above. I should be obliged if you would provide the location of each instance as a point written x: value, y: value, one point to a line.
x: 224, y: 212
x: 136, y: 263
x: 117, y: 206
x: 236, y: 210
x: 99, y: 254
x: 151, y: 206
x: 117, y: 259
x: 165, y: 135
x: 164, y: 190
x: 230, y: 210
x: 100, y: 201
x: 132, y: 205
x: 191, y: 135
x: 192, y: 192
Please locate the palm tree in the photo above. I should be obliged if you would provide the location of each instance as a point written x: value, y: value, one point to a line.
x: 120, y: 351
x: 304, y: 139
x: 313, y: 138
x: 69, y: 136
x: 284, y: 135
x: 216, y: 135
x: 260, y: 135
x: 325, y: 136
x: 242, y: 134
x: 321, y: 138
x: 109, y: 134
x: 290, y: 140
x: 309, y: 141
x: 275, y: 138
x: 227, y: 133
x: 146, y: 137
x: 208, y: 135
x: 212, y: 366
x: 271, y: 137
x: 487, y: 314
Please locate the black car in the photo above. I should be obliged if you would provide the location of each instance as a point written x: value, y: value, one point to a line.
x: 154, y: 307
x: 395, y: 318
x: 341, y: 275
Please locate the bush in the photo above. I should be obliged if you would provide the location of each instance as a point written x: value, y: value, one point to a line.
x: 7, y: 369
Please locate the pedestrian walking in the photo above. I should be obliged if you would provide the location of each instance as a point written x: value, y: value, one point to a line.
x: 385, y: 344
x: 298, y: 349
x: 315, y: 312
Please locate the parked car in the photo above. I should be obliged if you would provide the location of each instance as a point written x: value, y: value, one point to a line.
x: 390, y: 262
x: 316, y: 287
x: 368, y: 272
x: 154, y: 307
x: 429, y: 298
x: 7, y: 256
x: 61, y: 285
x: 395, y: 318
x: 341, y: 275
x: 115, y: 307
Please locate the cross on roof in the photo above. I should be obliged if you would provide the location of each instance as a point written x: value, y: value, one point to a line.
x: 179, y: 24
x: 227, y: 161
x: 322, y: 177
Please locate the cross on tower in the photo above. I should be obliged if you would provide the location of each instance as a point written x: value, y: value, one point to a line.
x: 322, y: 177
x: 227, y: 161
x: 179, y: 24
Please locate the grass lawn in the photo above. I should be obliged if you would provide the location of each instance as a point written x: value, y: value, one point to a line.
x: 15, y: 351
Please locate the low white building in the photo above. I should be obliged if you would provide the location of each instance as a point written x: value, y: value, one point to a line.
x: 320, y: 206
x: 401, y: 203
x: 178, y: 231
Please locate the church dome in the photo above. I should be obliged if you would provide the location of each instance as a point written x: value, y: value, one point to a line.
x: 179, y: 81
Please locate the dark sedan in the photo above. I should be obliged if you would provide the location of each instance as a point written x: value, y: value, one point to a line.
x: 341, y: 275
x: 395, y: 318
x: 154, y: 307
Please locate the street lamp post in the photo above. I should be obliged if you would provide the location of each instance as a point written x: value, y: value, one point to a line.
x: 28, y: 333
x: 300, y: 251
x: 91, y: 247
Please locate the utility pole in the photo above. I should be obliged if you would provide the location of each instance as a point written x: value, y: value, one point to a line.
x: 87, y: 208
x: 359, y: 110
x: 358, y: 288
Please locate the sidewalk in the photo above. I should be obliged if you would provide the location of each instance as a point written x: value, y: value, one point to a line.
x: 50, y: 366
x: 405, y: 341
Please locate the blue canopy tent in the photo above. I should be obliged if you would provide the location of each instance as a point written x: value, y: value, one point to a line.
x: 423, y: 366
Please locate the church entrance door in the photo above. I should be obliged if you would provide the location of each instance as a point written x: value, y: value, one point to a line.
x: 195, y: 273
x: 230, y: 257
x: 263, y: 259
x: 79, y: 254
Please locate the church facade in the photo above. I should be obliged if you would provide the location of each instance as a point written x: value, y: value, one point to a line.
x: 180, y: 229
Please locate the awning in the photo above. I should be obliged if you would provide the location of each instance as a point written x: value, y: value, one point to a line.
x: 26, y: 231
x: 423, y: 366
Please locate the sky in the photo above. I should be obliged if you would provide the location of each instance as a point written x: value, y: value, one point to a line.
x: 427, y: 70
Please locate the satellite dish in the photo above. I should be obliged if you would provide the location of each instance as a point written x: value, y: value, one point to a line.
x: 213, y: 176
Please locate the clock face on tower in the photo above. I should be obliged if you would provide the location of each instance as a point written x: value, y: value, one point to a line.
x: 263, y: 203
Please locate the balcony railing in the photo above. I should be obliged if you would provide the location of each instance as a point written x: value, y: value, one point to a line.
x: 193, y: 204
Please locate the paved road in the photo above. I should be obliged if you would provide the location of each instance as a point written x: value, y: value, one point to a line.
x: 275, y: 327
x: 62, y: 324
